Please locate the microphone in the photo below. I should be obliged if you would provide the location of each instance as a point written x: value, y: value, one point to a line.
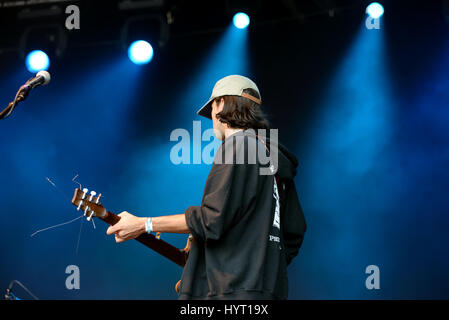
x: 41, y: 78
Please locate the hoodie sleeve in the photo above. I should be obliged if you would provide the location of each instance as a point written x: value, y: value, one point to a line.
x: 294, y: 225
x: 229, y: 190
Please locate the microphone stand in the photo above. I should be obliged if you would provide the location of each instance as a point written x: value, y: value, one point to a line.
x: 21, y: 95
x: 10, y: 296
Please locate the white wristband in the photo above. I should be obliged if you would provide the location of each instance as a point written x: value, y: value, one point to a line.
x: 149, y: 225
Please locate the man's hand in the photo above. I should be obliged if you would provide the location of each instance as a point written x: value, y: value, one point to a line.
x: 129, y: 227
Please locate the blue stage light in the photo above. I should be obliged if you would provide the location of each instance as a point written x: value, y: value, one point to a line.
x: 37, y: 60
x: 241, y: 20
x: 375, y: 10
x: 140, y: 52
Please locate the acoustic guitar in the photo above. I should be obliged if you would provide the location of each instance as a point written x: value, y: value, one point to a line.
x: 92, y: 207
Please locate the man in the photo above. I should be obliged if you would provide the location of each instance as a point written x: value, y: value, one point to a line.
x: 249, y: 225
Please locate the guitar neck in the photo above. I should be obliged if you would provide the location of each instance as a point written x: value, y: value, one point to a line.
x: 165, y: 249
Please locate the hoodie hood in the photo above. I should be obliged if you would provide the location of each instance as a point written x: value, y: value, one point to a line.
x: 287, y: 162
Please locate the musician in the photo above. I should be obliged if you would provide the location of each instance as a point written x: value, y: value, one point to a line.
x: 249, y: 225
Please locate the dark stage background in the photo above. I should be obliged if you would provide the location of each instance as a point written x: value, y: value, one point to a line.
x: 365, y: 111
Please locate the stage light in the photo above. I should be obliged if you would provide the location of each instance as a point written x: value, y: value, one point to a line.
x: 241, y: 20
x: 37, y: 60
x: 140, y: 52
x: 375, y: 10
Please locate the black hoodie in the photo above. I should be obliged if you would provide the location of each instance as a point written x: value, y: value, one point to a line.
x: 242, y: 245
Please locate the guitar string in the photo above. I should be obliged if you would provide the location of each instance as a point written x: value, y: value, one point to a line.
x: 60, y: 224
x: 76, y: 176
x: 64, y: 223
x: 55, y: 226
x: 79, y: 237
x: 60, y: 191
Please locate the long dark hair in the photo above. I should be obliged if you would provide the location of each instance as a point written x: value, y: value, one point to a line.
x: 242, y: 113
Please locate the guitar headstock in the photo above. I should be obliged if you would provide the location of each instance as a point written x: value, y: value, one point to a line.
x: 89, y: 203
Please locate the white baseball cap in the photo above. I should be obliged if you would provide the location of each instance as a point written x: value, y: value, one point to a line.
x: 230, y: 86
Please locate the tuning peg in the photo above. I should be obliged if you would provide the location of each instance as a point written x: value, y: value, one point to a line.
x: 98, y: 198
x: 79, y: 206
x: 85, y: 190
x: 85, y: 210
x: 92, y: 194
x: 90, y: 216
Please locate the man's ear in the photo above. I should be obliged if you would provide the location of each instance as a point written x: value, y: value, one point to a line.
x: 220, y: 105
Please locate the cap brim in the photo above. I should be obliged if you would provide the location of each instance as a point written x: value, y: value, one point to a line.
x: 206, y: 110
